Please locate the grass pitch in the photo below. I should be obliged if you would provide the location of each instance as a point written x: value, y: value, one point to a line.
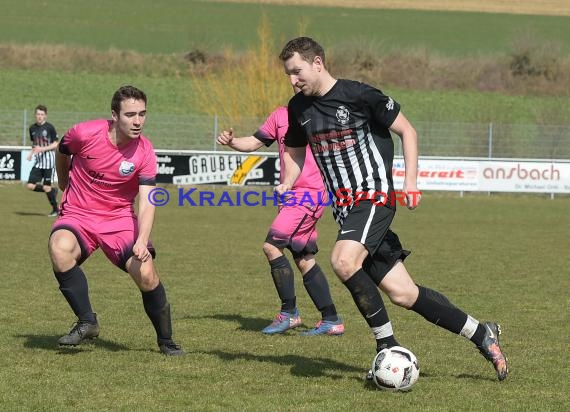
x: 499, y: 258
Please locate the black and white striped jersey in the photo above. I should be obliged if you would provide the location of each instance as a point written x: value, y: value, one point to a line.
x: 348, y: 131
x: 43, y: 135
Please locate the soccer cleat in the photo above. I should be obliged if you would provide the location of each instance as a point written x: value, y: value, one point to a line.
x: 53, y: 213
x: 326, y: 327
x: 283, y: 322
x: 491, y: 349
x: 170, y: 348
x: 80, y: 331
x: 370, y: 374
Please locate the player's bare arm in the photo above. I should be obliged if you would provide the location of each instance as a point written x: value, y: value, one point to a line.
x: 146, y: 220
x: 62, y: 163
x: 241, y: 144
x: 293, y: 161
x: 403, y: 128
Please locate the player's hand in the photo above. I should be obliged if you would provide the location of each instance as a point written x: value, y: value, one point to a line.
x: 284, y: 192
x: 282, y: 188
x: 225, y: 137
x: 29, y: 156
x: 141, y: 252
x: 36, y: 150
x: 413, y: 196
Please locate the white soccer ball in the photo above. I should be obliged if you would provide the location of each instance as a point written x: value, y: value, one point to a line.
x: 395, y: 369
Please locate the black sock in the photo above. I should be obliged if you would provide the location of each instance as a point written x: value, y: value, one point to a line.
x: 38, y: 188
x: 73, y: 285
x: 437, y: 309
x: 157, y: 309
x: 52, y: 200
x: 370, y: 304
x: 283, y: 278
x: 478, y: 336
x: 317, y: 287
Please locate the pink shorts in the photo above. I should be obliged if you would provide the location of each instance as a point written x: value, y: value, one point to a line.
x: 295, y: 228
x: 115, y: 236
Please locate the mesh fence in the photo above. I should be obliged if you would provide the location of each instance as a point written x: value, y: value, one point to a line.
x: 198, y: 132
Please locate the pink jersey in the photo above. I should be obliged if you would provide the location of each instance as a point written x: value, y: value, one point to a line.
x: 104, y: 179
x: 275, y: 128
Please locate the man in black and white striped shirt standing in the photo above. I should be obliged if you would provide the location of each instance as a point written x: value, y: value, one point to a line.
x: 347, y: 124
x: 44, y: 142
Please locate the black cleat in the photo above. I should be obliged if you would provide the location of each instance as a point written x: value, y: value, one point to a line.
x: 81, y: 331
x: 370, y: 374
x: 491, y: 350
x: 170, y: 348
x: 53, y: 213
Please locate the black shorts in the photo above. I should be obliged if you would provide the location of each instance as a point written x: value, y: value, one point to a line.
x: 369, y: 224
x: 385, y: 257
x: 38, y: 175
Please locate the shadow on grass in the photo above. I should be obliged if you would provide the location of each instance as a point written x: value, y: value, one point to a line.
x: 249, y: 324
x: 30, y: 214
x: 475, y: 377
x: 300, y: 365
x: 49, y: 342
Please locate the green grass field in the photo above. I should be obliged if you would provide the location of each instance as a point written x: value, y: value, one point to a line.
x: 499, y: 257
x: 181, y: 25
x: 84, y: 92
x: 185, y: 25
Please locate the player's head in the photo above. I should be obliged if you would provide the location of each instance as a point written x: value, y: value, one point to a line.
x: 41, y: 114
x: 304, y: 63
x: 128, y: 108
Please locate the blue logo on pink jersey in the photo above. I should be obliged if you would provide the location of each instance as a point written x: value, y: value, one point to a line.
x: 126, y: 168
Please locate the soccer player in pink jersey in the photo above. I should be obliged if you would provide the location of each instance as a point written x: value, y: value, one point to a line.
x: 102, y: 165
x: 293, y: 228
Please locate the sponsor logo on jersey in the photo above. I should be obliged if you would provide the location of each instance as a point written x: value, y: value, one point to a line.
x: 126, y: 168
x: 342, y: 115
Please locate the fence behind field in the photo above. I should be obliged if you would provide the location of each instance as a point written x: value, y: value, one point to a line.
x: 197, y: 132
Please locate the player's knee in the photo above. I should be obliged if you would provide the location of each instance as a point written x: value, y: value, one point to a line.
x: 148, y: 279
x: 305, y: 263
x: 146, y: 285
x: 62, y: 252
x: 59, y: 244
x: 30, y: 186
x: 271, y: 251
x: 344, y: 266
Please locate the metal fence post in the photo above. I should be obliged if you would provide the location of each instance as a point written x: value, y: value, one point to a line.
x: 215, y: 130
x: 490, y: 140
x: 25, y: 127
x: 490, y: 148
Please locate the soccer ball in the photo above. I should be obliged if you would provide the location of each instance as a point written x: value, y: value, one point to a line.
x: 395, y: 369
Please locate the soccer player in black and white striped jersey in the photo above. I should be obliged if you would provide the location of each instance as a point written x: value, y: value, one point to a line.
x: 44, y: 142
x: 347, y: 124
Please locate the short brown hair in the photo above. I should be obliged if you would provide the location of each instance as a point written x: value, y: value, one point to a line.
x: 41, y: 107
x: 124, y: 93
x: 307, y: 48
